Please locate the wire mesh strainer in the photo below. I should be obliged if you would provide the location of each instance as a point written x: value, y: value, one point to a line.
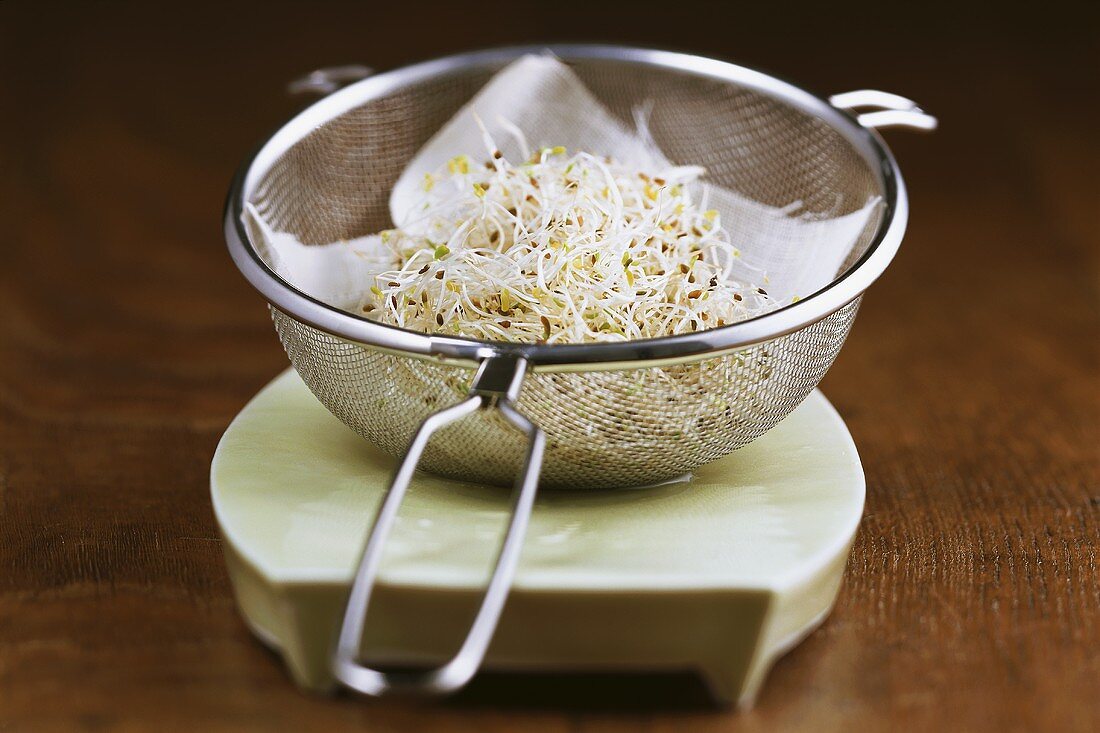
x: 580, y: 416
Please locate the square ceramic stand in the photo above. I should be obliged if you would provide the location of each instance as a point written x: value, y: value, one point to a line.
x: 720, y: 574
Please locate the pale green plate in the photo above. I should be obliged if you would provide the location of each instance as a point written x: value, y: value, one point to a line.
x: 720, y: 574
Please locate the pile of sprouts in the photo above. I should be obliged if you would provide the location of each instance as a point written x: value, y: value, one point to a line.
x: 565, y: 247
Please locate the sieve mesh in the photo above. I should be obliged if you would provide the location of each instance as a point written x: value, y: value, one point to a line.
x: 335, y: 182
x: 604, y: 428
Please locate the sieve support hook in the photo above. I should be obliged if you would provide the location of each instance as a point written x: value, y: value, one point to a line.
x: 495, y: 387
x: 884, y: 109
x: 328, y: 80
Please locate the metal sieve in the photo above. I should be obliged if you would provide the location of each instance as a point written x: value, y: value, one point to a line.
x: 584, y: 415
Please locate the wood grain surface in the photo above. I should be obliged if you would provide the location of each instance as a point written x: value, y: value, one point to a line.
x: 971, y: 381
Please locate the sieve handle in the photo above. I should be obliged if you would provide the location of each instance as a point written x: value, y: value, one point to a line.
x: 496, y: 386
x: 884, y: 110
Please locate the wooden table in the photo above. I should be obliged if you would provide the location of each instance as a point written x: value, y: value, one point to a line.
x: 128, y: 341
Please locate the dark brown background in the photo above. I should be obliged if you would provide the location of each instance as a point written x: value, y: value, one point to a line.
x: 128, y: 341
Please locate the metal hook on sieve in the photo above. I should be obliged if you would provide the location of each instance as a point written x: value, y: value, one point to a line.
x: 885, y: 110
x: 496, y: 386
x: 328, y: 80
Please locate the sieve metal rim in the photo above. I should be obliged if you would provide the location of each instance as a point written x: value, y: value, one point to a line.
x: 662, y: 351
